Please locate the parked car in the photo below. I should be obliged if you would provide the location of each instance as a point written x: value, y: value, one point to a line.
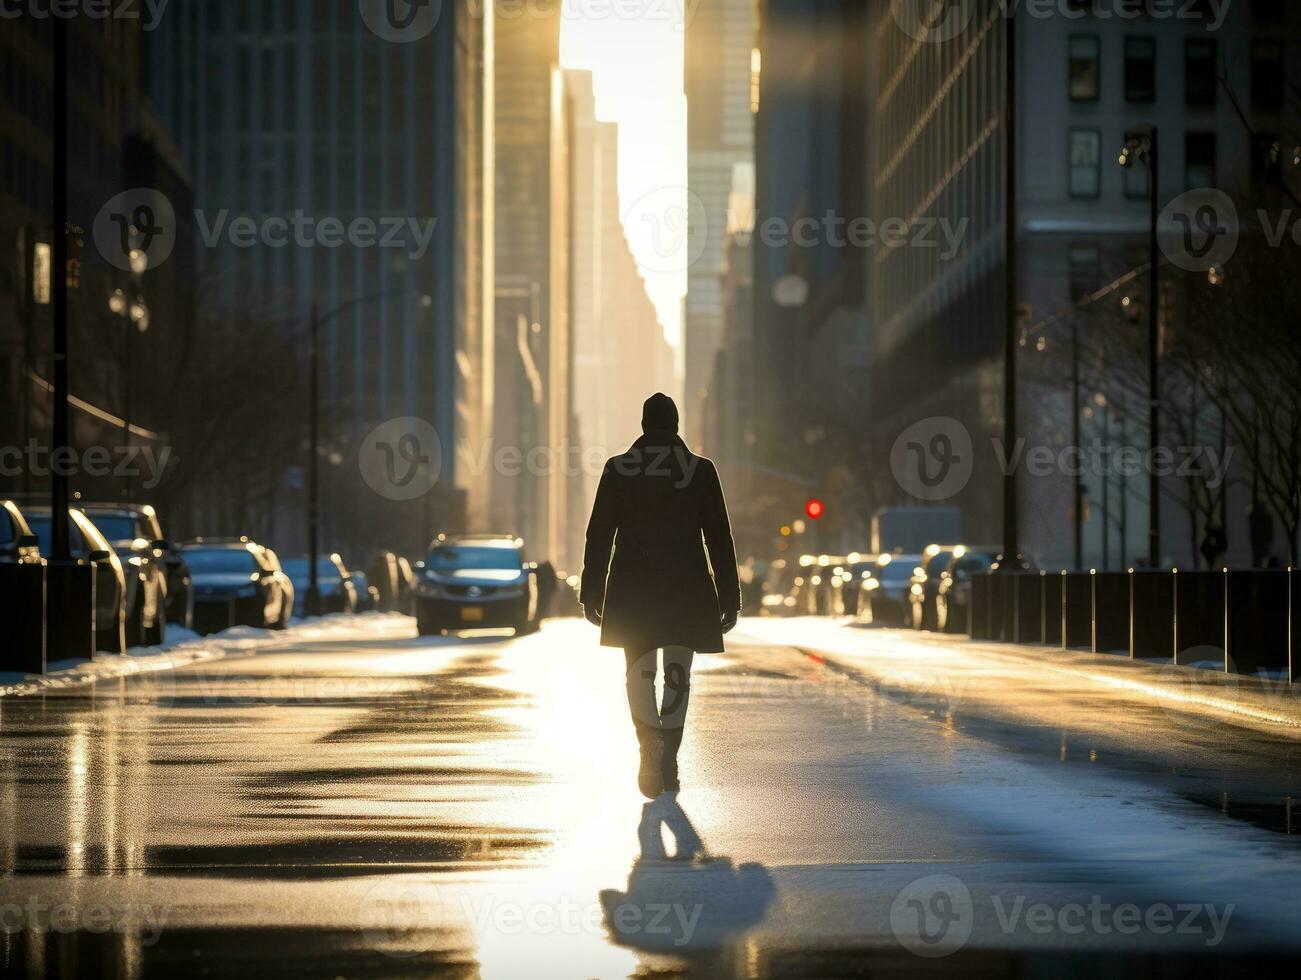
x: 476, y: 581
x: 135, y: 534
x: 858, y: 567
x: 925, y: 586
x: 368, y: 598
x: 86, y: 544
x: 18, y: 545
x: 334, y: 584
x: 883, y: 597
x: 237, y: 582
x: 776, y: 598
x: 272, y: 561
x: 406, y: 587
x: 384, y: 574
x: 954, y: 594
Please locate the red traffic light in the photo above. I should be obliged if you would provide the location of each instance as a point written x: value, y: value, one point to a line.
x: 814, y: 508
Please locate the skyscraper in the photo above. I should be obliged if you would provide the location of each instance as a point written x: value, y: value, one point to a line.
x: 719, y: 67
x: 533, y: 397
x: 302, y: 112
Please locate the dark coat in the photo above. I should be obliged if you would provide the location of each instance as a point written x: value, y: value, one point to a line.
x: 658, y: 508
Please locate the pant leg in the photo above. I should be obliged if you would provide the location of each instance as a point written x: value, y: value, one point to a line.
x: 677, y: 694
x: 639, y: 681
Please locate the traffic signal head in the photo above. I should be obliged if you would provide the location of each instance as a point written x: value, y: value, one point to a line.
x: 814, y: 508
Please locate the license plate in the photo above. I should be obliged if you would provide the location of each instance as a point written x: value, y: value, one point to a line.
x: 472, y: 614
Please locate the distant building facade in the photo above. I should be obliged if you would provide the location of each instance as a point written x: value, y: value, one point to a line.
x: 302, y: 109
x: 720, y: 69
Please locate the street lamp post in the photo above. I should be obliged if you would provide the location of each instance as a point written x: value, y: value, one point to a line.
x: 59, y: 533
x: 1076, y: 409
x: 312, y: 603
x: 1011, y: 326
x: 1144, y: 147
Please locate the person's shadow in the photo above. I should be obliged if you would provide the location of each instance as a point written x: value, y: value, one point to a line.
x: 688, y: 902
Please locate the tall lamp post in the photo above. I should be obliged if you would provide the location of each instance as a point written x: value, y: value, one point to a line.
x: 1143, y: 148
x: 312, y: 603
x: 60, y: 538
x: 1011, y: 327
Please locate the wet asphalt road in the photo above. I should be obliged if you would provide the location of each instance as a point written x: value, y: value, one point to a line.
x: 354, y: 801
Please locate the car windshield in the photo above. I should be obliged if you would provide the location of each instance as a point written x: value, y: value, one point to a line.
x: 117, y: 527
x: 218, y: 561
x: 326, y: 570
x: 42, y: 527
x: 898, y: 570
x: 448, y: 558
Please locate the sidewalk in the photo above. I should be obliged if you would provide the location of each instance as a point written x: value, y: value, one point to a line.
x: 1037, y: 681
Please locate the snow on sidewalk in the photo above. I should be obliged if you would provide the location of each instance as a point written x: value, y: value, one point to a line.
x: 184, y: 647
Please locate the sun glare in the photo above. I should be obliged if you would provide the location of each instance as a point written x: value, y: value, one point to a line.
x: 636, y: 62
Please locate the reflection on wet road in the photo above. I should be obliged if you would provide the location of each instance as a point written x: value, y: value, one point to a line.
x: 359, y: 802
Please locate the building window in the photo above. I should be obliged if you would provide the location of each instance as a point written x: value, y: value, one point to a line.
x: 1086, y: 271
x: 1199, y: 160
x: 1085, y: 73
x: 1086, y: 160
x: 1200, y: 79
x: 1267, y: 75
x: 1140, y: 69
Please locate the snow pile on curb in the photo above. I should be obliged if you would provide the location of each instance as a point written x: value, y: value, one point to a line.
x: 184, y: 647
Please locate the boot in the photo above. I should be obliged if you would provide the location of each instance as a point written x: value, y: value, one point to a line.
x: 672, y: 742
x: 650, y: 780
